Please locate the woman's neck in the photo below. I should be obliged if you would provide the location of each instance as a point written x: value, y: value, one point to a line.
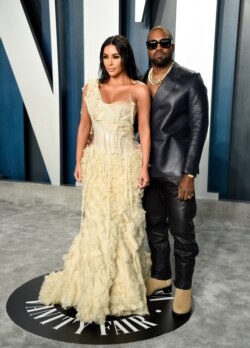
x: 122, y: 79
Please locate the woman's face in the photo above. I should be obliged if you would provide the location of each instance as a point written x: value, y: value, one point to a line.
x: 112, y: 61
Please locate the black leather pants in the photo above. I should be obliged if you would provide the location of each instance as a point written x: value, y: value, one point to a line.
x: 164, y: 211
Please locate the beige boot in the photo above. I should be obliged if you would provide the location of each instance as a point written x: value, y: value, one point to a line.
x: 182, y: 301
x: 153, y: 284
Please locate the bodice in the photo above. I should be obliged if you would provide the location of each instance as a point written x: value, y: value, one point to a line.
x: 112, y: 123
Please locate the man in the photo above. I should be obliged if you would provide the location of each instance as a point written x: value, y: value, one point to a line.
x: 179, y: 121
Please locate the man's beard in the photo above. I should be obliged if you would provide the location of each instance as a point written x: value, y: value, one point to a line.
x: 161, y: 61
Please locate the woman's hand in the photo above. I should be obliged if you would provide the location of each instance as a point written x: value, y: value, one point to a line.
x: 78, y: 172
x: 143, y: 179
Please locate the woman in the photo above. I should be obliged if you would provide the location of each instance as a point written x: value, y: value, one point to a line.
x: 106, y: 266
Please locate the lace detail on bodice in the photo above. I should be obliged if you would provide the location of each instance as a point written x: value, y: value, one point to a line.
x: 112, y: 123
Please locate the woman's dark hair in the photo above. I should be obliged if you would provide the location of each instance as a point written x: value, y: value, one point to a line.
x: 127, y: 56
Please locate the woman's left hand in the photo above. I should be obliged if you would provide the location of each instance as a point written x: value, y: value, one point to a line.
x: 143, y: 179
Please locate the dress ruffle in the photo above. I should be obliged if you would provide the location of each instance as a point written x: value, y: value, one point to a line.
x: 106, y: 266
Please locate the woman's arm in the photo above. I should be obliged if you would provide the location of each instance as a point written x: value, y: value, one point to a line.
x: 142, y: 96
x: 82, y: 136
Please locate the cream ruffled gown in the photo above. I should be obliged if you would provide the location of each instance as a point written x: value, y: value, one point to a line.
x: 106, y: 266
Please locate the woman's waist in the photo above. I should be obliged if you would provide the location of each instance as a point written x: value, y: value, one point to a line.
x: 107, y: 154
x: 114, y: 142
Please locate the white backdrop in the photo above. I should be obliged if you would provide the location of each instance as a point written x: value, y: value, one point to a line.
x: 194, y: 38
x: 41, y: 102
x: 101, y: 20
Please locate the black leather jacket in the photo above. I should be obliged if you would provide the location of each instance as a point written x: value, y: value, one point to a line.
x: 179, y: 122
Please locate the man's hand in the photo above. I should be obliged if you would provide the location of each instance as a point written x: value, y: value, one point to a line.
x: 186, y: 188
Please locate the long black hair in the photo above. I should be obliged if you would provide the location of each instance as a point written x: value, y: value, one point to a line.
x: 127, y: 56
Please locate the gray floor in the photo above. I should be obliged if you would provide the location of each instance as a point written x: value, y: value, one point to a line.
x: 38, y: 223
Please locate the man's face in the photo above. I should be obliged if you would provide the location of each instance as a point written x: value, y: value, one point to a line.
x: 160, y: 56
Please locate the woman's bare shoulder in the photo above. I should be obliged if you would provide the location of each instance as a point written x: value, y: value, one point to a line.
x: 138, y: 83
x: 140, y: 88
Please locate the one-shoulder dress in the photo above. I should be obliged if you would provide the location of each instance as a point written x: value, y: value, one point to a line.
x: 107, y: 265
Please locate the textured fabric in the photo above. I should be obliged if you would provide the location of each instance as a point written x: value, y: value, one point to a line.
x: 106, y: 266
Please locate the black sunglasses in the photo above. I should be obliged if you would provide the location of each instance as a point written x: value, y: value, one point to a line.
x: 152, y: 44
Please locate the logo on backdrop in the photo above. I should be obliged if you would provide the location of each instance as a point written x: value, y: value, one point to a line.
x: 56, y: 323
